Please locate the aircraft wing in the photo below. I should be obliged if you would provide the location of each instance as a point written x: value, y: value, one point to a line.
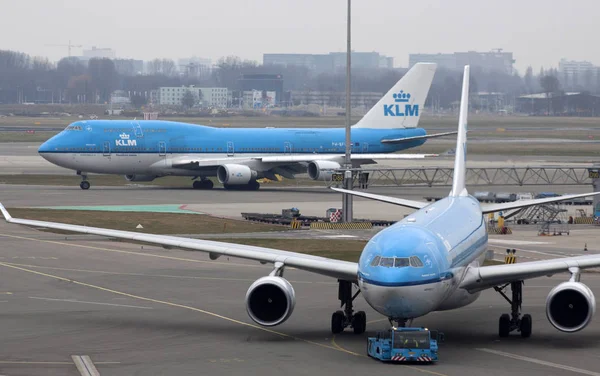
x: 423, y: 137
x: 387, y: 199
x: 492, y: 208
x: 329, y: 267
x: 481, y: 278
x: 192, y: 162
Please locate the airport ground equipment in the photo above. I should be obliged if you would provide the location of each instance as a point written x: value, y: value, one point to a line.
x: 310, y: 221
x: 514, y: 321
x: 405, y: 345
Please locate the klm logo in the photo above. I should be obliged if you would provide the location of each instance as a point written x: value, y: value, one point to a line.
x: 401, y: 107
x: 125, y: 141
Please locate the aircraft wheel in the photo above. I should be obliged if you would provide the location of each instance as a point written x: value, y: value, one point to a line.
x: 197, y: 184
x: 525, y: 326
x: 208, y: 184
x: 337, y: 322
x: 359, y: 322
x: 504, y: 325
x: 253, y: 185
x: 84, y: 185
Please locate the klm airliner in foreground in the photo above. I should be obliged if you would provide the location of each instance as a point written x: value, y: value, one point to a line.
x: 429, y: 261
x: 146, y: 150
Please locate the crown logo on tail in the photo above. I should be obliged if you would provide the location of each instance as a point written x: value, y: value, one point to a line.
x: 401, y: 96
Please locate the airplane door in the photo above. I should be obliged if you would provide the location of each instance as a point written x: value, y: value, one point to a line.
x: 365, y: 148
x: 287, y: 147
x: 137, y: 129
x: 230, y: 149
x: 162, y: 148
x: 106, y: 149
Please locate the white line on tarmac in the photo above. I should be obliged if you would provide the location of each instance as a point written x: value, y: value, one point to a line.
x: 84, y: 365
x: 85, y: 302
x: 537, y: 361
x: 515, y: 242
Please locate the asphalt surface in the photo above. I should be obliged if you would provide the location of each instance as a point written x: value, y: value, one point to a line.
x: 144, y: 310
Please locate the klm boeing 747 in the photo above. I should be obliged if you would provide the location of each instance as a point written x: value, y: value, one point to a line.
x: 146, y: 150
x: 429, y: 261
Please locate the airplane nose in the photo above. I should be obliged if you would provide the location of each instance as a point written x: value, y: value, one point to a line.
x: 45, y: 147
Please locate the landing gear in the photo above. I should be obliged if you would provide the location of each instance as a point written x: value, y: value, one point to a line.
x: 203, y: 184
x: 85, y: 184
x: 251, y: 186
x: 342, y: 319
x: 514, y: 321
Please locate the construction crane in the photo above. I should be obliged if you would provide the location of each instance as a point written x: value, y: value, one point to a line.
x: 69, y: 46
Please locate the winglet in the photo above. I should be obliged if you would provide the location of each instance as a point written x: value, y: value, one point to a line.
x: 5, y: 213
x: 460, y: 161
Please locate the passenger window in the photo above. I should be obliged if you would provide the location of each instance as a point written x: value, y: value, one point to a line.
x: 375, y: 261
x: 401, y: 262
x: 416, y: 262
x: 388, y: 262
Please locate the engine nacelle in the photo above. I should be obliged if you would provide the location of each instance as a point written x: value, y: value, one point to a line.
x: 315, y: 169
x: 140, y: 177
x: 235, y: 174
x: 570, y: 306
x: 270, y: 301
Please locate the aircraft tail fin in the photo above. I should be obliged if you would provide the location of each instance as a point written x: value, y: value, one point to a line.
x: 460, y: 160
x: 401, y: 107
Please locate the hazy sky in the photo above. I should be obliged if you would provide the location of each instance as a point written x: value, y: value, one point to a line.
x: 538, y: 32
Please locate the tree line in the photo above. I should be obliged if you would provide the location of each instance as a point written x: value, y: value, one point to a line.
x: 33, y: 79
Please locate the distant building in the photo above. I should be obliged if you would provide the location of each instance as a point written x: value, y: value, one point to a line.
x: 493, y: 61
x: 567, y: 104
x: 575, y: 73
x: 262, y: 82
x: 335, y: 98
x: 332, y: 62
x: 195, y: 67
x: 207, y: 96
x: 100, y: 53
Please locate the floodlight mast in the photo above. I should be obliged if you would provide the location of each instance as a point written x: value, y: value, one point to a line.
x: 346, y: 198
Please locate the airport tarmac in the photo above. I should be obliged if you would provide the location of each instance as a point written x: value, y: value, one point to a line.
x: 135, y: 310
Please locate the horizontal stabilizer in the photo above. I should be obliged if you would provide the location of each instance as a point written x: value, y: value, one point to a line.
x: 492, y: 208
x: 387, y: 199
x: 423, y: 137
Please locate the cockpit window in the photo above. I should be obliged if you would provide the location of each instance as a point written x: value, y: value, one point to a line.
x: 416, y: 262
x: 401, y: 262
x: 397, y: 262
x: 388, y: 262
x: 375, y: 261
x: 73, y: 127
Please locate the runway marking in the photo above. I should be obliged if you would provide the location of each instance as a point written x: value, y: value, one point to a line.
x: 131, y: 252
x: 84, y: 365
x: 85, y: 302
x: 6, y: 293
x: 156, y: 275
x: 516, y: 242
x: 49, y: 363
x: 208, y: 313
x: 538, y: 361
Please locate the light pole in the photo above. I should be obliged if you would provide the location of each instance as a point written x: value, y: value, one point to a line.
x: 346, y: 198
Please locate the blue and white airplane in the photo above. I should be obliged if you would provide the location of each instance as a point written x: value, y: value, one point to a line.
x: 146, y: 150
x: 429, y: 261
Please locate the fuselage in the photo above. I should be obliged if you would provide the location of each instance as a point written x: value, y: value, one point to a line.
x: 415, y: 266
x: 146, y: 147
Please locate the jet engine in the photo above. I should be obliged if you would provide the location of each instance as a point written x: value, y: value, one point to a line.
x: 140, y: 177
x: 570, y: 306
x: 315, y: 169
x: 235, y: 174
x: 270, y: 301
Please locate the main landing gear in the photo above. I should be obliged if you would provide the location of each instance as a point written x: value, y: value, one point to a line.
x: 514, y: 321
x: 85, y: 184
x: 342, y: 319
x: 203, y: 184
